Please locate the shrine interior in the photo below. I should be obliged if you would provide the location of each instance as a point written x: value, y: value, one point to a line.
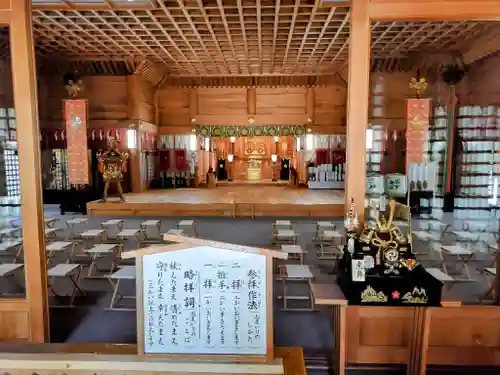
x: 231, y: 121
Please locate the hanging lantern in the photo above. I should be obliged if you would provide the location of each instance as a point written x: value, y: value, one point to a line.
x: 56, y: 135
x: 93, y: 135
x: 101, y: 134
x: 117, y: 134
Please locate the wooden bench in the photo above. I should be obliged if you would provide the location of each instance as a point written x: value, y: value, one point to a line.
x: 425, y: 236
x: 50, y: 222
x: 51, y: 233
x: 175, y: 232
x: 59, y: 247
x: 282, y: 224
x: 462, y: 257
x: 465, y: 236
x: 6, y: 248
x: 98, y: 235
x: 332, y: 253
x: 72, y: 224
x: 295, y: 273
x: 188, y: 225
x: 71, y: 272
x: 491, y: 273
x: 130, y: 234
x: 100, y: 251
x: 322, y: 226
x: 9, y: 232
x: 107, y: 225
x: 124, y: 273
x: 9, y: 271
x: 328, y: 238
x: 438, y: 274
x: 294, y: 252
x: 154, y: 224
x: 285, y: 236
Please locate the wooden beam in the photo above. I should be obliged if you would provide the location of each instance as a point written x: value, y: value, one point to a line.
x: 5, y: 12
x: 439, y: 10
x: 26, y: 104
x: 357, y: 104
x: 90, y: 7
x: 5, y: 5
x: 5, y: 17
x: 335, y: 3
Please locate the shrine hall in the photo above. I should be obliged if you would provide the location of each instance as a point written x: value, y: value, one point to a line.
x: 278, y: 187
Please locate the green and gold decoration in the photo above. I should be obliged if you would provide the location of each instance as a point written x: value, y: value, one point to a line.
x: 228, y: 131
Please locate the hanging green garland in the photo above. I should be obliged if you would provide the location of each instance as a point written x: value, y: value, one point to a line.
x: 250, y: 131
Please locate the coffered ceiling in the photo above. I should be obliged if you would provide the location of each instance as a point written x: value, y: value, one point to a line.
x: 235, y: 38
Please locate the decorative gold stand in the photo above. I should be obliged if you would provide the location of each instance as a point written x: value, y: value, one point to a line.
x: 254, y: 172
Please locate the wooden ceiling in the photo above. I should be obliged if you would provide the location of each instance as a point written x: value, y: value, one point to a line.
x: 221, y: 38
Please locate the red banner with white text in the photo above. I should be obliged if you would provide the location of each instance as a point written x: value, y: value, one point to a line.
x: 75, y: 115
x: 417, y: 115
x: 181, y: 164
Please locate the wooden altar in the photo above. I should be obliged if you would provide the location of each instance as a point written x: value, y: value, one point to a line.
x: 252, y: 160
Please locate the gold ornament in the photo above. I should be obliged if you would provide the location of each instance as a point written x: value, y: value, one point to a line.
x: 418, y: 295
x: 383, y: 225
x: 370, y: 295
x: 419, y: 85
x: 74, y: 88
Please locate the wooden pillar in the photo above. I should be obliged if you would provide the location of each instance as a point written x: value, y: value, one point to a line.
x: 310, y: 104
x: 251, y: 102
x: 136, y: 171
x: 156, y: 102
x: 133, y: 97
x: 25, y: 99
x: 357, y: 104
x: 193, y: 104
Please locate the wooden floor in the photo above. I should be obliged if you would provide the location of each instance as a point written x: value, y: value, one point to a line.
x: 235, y: 201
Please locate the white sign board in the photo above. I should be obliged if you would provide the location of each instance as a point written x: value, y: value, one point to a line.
x: 204, y: 300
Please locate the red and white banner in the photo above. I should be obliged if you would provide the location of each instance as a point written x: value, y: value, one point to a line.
x: 75, y: 115
x: 181, y: 164
x: 165, y: 160
x: 417, y: 115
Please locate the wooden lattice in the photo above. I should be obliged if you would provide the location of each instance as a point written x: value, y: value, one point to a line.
x: 235, y: 42
x: 230, y: 37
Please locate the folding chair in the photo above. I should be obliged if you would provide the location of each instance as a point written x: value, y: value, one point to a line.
x: 124, y: 273
x: 72, y: 272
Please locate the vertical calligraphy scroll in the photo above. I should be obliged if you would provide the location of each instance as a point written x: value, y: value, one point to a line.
x: 205, y: 300
x: 75, y: 115
x: 417, y: 114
